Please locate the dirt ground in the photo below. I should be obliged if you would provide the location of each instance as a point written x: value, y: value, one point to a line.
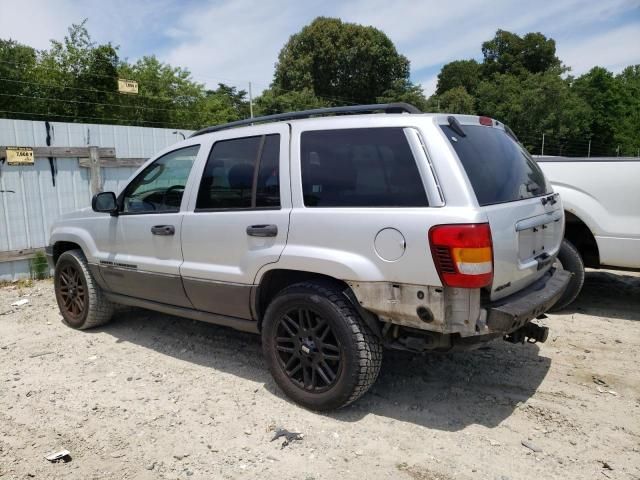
x: 153, y: 396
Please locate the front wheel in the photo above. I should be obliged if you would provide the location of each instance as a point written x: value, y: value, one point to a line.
x: 569, y: 259
x: 81, y: 300
x: 317, y: 347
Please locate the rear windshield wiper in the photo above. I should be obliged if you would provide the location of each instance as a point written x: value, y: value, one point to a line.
x: 455, y: 126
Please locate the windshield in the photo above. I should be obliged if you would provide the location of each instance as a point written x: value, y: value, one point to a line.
x: 499, y: 169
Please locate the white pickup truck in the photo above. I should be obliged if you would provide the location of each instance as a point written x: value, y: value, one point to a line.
x: 601, y: 198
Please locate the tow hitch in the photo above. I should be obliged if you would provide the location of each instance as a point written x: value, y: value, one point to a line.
x: 531, y: 333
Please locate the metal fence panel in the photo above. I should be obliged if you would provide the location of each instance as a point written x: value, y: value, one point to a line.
x: 32, y: 197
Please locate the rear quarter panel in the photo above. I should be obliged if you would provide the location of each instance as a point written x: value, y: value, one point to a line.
x: 339, y: 241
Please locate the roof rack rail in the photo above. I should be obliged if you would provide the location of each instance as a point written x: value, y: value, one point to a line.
x: 399, y: 107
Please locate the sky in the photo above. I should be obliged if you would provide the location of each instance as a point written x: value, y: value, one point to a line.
x: 237, y: 41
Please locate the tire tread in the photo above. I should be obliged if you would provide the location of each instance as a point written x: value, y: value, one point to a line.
x: 100, y: 309
x: 368, y: 346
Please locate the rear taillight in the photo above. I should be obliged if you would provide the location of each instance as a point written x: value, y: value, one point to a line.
x: 463, y: 254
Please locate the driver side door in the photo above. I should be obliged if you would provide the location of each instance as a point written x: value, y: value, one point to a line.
x: 142, y: 245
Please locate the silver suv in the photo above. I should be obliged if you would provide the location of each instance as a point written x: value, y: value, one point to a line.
x: 333, y: 233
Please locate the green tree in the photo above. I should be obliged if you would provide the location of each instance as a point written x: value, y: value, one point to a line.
x: 222, y: 105
x: 273, y: 101
x: 77, y: 78
x: 340, y: 63
x: 404, y: 91
x: 627, y: 132
x: 507, y: 52
x: 459, y: 73
x: 454, y: 100
x: 17, y: 63
x: 166, y: 94
x: 534, y: 104
x: 599, y: 89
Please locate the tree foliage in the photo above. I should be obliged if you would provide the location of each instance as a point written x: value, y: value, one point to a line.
x: 507, y: 52
x: 330, y: 62
x: 459, y: 73
x: 520, y: 80
x: 340, y: 61
x: 77, y: 80
x: 523, y: 83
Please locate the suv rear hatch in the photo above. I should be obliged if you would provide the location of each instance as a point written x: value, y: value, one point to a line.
x: 525, y: 216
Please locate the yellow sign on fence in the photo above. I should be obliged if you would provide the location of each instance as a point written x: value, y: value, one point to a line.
x: 19, y: 155
x: 127, y: 86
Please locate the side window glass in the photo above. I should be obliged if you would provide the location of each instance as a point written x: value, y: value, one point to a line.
x: 160, y: 186
x: 230, y: 179
x: 364, y: 167
x: 268, y: 182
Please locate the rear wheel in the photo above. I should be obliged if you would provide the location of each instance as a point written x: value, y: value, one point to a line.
x: 569, y: 259
x: 81, y: 301
x: 317, y: 347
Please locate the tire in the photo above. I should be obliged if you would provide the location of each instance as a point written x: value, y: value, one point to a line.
x: 569, y: 259
x: 80, y: 299
x: 318, y: 368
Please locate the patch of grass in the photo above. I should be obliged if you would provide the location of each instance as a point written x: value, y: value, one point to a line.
x: 22, y: 283
x: 38, y: 266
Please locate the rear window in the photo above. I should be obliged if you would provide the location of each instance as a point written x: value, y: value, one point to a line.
x: 363, y: 167
x: 241, y: 173
x: 499, y: 169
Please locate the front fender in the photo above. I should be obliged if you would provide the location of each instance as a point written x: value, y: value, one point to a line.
x: 77, y: 235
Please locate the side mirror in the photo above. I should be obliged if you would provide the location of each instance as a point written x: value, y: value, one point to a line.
x: 105, y: 202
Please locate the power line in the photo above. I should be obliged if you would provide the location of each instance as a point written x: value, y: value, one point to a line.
x: 165, y: 99
x: 140, y: 107
x: 97, y: 118
x: 92, y: 90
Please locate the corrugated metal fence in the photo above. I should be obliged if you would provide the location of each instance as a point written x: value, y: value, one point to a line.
x: 32, y: 196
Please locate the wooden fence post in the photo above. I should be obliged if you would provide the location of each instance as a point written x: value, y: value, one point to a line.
x: 95, y: 173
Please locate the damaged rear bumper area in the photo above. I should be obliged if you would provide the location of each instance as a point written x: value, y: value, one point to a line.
x: 515, y: 311
x: 457, y: 319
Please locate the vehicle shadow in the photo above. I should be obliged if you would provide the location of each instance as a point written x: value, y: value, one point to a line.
x: 441, y: 391
x: 608, y: 294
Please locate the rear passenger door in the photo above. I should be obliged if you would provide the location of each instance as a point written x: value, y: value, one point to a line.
x: 238, y: 219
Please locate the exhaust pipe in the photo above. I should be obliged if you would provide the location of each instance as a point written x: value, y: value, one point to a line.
x: 531, y: 333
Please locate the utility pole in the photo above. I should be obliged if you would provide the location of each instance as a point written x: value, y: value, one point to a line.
x: 250, y: 101
x: 589, y: 149
x: 542, y: 151
x: 618, y: 151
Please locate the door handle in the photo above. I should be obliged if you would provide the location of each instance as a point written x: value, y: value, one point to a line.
x: 262, y: 230
x: 163, y: 230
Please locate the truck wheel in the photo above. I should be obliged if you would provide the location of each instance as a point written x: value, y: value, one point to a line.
x: 81, y: 301
x: 318, y: 348
x: 569, y: 259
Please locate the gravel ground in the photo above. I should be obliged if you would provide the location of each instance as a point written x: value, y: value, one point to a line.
x: 152, y: 396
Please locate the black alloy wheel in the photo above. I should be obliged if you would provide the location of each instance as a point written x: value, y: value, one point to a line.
x: 318, y: 348
x: 308, y: 350
x: 73, y: 292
